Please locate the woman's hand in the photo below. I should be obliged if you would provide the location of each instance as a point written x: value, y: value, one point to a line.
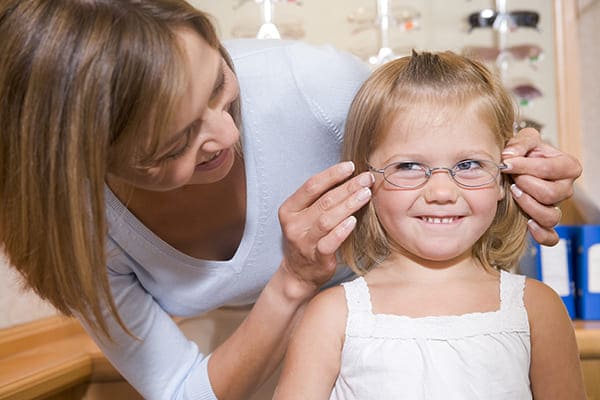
x: 543, y: 178
x: 315, y: 221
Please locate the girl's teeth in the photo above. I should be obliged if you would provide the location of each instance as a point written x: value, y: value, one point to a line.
x: 436, y: 220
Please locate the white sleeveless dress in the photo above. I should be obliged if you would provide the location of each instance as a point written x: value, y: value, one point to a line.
x: 471, y: 356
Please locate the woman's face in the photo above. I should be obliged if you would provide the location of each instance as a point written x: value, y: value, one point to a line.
x: 199, y: 148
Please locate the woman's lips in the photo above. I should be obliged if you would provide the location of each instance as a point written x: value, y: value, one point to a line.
x: 216, y: 161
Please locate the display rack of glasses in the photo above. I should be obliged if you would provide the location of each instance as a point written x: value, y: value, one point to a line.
x: 504, y: 21
x: 262, y: 23
x: 377, y: 30
x: 388, y: 17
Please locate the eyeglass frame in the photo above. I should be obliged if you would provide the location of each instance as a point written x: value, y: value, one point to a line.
x: 429, y: 172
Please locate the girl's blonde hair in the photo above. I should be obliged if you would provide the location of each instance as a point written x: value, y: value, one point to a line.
x: 434, y: 78
x: 85, y: 86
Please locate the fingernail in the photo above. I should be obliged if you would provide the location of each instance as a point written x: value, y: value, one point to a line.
x: 516, y: 191
x: 347, y: 167
x: 533, y: 225
x: 366, y: 179
x: 363, y: 194
x: 509, y: 151
x: 349, y: 223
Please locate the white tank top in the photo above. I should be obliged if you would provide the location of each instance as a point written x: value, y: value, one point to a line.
x: 470, y: 356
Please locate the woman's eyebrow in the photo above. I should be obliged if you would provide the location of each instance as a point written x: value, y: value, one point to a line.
x: 220, y: 78
x: 179, y: 135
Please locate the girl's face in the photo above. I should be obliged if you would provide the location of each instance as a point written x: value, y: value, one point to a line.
x: 438, y: 221
x: 200, y: 146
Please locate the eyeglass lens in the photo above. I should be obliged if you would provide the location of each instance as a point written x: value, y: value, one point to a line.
x: 469, y: 173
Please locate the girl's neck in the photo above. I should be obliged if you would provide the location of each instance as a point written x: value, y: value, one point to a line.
x: 410, y: 268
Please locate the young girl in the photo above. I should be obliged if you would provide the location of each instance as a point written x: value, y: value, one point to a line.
x: 435, y: 314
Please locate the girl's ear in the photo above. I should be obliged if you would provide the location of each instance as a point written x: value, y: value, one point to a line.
x: 502, y: 189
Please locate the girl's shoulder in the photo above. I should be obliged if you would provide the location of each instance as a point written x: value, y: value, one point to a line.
x: 542, y: 302
x: 325, y: 316
x: 329, y: 302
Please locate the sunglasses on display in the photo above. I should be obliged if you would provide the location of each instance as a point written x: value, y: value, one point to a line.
x: 528, y: 123
x: 489, y: 18
x: 530, y: 52
x: 526, y: 93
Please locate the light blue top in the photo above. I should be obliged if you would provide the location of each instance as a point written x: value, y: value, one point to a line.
x: 294, y: 102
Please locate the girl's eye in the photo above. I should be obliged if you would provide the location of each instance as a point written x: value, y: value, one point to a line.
x: 407, y: 166
x: 467, y: 165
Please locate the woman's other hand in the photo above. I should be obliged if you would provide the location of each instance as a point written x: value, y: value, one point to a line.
x: 315, y: 221
x: 544, y: 177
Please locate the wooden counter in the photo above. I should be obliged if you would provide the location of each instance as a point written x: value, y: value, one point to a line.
x: 55, y: 359
x: 588, y: 341
x: 48, y: 357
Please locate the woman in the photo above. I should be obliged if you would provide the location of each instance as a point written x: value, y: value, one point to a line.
x: 127, y: 198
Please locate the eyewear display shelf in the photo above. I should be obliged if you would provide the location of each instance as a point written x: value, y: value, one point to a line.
x: 354, y: 25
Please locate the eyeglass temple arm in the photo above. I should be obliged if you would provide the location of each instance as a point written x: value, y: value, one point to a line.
x: 373, y: 169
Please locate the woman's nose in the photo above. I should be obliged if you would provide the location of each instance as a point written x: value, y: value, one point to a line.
x: 221, y: 129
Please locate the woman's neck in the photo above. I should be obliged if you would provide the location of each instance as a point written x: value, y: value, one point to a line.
x: 202, y: 221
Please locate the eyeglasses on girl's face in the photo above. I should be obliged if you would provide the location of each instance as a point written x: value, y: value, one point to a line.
x: 466, y: 173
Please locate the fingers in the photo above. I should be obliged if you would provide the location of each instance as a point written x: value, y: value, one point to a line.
x: 317, y: 218
x: 341, y: 203
x: 329, y: 244
x: 545, y: 163
x: 544, y: 191
x: 322, y: 219
x: 522, y: 143
x: 317, y: 185
x: 545, y: 236
x: 546, y: 216
x: 306, y: 212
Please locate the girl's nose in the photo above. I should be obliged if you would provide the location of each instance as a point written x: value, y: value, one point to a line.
x: 441, y: 187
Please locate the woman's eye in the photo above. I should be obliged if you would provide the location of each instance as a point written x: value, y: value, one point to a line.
x: 218, y: 89
x: 181, y: 150
x: 178, y: 153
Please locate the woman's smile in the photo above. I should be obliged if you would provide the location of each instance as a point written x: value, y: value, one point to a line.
x: 215, y: 161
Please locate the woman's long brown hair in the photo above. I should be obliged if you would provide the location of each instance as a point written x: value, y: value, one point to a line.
x: 84, y: 85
